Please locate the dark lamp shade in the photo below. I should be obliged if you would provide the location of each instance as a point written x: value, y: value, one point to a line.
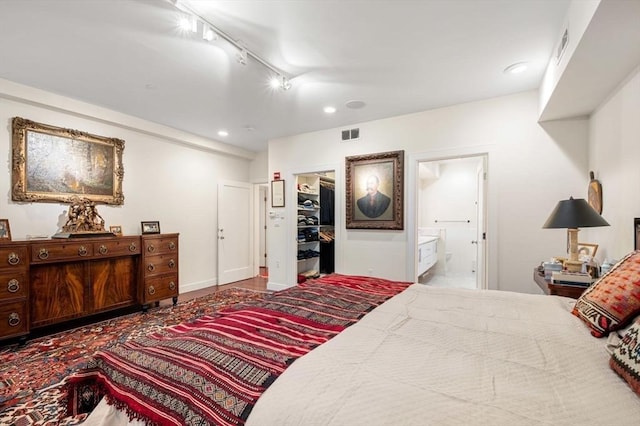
x: 573, y: 214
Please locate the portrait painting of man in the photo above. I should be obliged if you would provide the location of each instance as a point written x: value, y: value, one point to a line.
x: 374, y: 191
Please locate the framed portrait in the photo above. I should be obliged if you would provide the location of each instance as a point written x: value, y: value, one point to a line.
x: 5, y: 231
x: 636, y: 233
x: 277, y: 193
x: 150, y: 227
x: 116, y: 230
x: 375, y: 191
x: 587, y: 249
x: 52, y: 164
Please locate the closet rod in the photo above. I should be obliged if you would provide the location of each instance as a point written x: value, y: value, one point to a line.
x: 457, y: 221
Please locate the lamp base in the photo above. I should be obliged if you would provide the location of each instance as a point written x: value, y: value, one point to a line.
x: 573, y: 265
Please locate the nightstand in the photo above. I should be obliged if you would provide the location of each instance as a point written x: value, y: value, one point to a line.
x: 556, y: 289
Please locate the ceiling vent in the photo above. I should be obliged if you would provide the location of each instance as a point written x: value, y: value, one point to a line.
x: 562, y: 46
x: 350, y: 134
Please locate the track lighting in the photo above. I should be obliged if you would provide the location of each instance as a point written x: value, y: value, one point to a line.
x: 241, y: 56
x: 280, y: 82
x: 207, y: 33
x: 210, y: 32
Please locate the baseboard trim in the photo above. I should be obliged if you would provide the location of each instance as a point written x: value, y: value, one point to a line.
x: 198, y: 285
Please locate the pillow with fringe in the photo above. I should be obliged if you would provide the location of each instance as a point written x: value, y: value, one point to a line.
x: 625, y: 359
x: 614, y: 300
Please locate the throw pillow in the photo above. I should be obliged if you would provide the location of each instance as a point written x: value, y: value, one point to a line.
x: 625, y: 359
x: 614, y: 300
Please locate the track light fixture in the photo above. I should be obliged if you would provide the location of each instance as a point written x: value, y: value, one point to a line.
x: 280, y: 82
x: 241, y: 56
x: 210, y: 32
x: 207, y: 33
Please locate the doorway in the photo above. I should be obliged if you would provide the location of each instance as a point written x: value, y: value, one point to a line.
x: 451, y: 212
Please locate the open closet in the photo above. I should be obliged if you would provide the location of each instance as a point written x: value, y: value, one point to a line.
x: 315, y: 225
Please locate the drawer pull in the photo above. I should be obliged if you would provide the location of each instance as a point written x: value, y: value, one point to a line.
x: 151, y: 290
x: 172, y: 285
x: 82, y: 251
x: 172, y: 245
x: 43, y: 254
x: 172, y: 263
x: 13, y: 286
x: 14, y: 319
x: 151, y: 248
x: 13, y: 259
x: 133, y: 247
x: 151, y: 267
x: 103, y: 249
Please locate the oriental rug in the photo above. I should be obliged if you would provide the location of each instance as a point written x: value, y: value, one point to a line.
x: 31, y: 375
x: 213, y: 370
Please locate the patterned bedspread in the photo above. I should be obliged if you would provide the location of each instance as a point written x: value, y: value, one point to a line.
x: 213, y: 370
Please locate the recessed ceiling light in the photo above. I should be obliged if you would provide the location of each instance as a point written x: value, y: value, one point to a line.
x: 355, y: 104
x: 516, y: 68
x: 223, y: 133
x: 329, y: 109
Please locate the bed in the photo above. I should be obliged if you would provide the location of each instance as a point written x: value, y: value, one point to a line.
x: 447, y: 357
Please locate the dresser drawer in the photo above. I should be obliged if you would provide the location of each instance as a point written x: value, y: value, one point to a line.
x: 122, y: 246
x: 13, y: 258
x: 13, y: 285
x: 160, y: 264
x: 160, y: 287
x: 42, y: 253
x: 13, y: 319
x: 159, y: 245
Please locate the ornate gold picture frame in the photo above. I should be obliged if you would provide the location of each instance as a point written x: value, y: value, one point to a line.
x: 53, y: 164
x: 375, y: 189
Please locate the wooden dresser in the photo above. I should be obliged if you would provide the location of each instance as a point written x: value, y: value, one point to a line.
x: 46, y: 282
x: 159, y: 268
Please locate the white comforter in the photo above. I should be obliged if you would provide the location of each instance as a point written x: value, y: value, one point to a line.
x: 433, y: 356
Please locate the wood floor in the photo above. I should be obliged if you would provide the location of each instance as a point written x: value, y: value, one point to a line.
x: 255, y: 283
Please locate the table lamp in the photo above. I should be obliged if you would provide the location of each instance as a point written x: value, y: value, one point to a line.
x: 573, y: 214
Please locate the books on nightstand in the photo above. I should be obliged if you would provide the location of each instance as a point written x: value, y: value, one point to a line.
x: 577, y: 279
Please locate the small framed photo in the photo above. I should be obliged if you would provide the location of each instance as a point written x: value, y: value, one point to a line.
x: 277, y: 193
x: 5, y: 231
x: 150, y: 227
x: 587, y: 250
x: 116, y: 230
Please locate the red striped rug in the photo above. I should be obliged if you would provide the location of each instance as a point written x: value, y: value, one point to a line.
x: 214, y: 369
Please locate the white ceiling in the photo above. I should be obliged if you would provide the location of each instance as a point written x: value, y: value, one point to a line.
x: 396, y: 56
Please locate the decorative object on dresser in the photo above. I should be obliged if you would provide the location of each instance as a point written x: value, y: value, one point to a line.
x: 375, y: 191
x: 573, y: 214
x: 116, y: 230
x: 53, y: 164
x: 587, y: 250
x: 52, y: 282
x: 150, y: 227
x: 5, y: 230
x: 83, y: 220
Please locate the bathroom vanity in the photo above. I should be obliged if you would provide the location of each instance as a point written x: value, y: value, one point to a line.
x: 427, y: 253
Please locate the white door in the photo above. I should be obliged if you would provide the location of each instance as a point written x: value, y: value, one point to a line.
x: 235, y: 232
x: 481, y: 237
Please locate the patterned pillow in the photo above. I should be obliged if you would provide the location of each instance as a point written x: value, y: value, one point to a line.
x: 614, y: 300
x: 625, y: 359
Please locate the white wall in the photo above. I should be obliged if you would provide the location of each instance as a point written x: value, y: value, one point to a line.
x: 170, y: 176
x: 614, y: 156
x: 530, y: 169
